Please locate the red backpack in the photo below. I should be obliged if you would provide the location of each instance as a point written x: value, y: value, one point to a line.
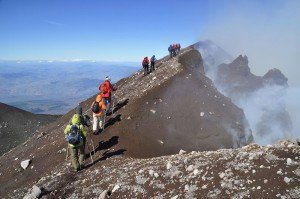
x: 104, y: 88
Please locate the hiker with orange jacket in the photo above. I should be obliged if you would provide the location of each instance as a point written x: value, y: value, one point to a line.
x: 145, y: 64
x: 106, y: 89
x: 98, y: 109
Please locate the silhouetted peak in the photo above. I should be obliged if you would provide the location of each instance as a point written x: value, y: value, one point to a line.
x: 241, y: 60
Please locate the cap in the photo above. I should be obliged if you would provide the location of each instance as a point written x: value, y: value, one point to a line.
x: 78, y: 110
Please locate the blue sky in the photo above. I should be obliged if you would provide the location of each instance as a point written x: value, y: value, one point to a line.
x: 114, y: 30
x: 101, y: 30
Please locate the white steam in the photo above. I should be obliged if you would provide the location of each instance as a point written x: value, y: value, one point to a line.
x: 268, y: 33
x: 265, y: 111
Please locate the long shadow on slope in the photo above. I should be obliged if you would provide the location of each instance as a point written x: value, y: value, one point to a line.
x: 106, y: 145
x: 111, y: 121
x: 120, y: 105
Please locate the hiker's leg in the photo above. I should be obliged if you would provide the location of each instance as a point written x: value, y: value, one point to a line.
x: 81, y: 156
x: 95, y: 123
x: 74, y: 158
x: 100, y: 123
x: 107, y: 101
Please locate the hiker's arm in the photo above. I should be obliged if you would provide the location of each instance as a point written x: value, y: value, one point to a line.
x: 67, y: 129
x: 103, y: 107
x: 83, y: 130
x: 92, y: 105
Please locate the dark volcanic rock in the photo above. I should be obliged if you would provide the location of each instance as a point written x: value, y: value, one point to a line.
x: 17, y: 125
x: 236, y: 79
x: 275, y: 77
x: 270, y: 122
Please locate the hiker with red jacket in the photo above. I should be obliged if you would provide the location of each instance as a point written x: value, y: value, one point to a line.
x: 145, y: 65
x: 98, y: 109
x: 106, y: 90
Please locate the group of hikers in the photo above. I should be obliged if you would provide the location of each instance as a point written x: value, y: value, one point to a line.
x: 174, y: 49
x: 76, y: 131
x: 146, y: 62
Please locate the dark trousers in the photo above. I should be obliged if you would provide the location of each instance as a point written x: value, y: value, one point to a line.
x: 107, y: 102
x: 152, y: 66
x: 146, y: 69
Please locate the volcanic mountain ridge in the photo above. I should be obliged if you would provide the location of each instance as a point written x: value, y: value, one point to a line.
x: 175, y: 107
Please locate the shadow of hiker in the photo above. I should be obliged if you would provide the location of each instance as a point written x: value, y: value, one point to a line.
x: 112, y: 121
x: 120, y: 105
x: 107, y: 144
x: 107, y: 155
x: 103, y: 145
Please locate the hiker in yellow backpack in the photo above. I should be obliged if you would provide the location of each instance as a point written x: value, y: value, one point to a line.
x: 75, y: 134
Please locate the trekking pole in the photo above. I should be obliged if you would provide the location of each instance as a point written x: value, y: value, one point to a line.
x: 90, y: 152
x: 92, y: 144
x: 113, y: 104
x: 104, y: 121
x: 67, y: 153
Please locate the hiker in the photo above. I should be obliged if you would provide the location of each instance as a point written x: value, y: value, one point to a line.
x: 98, y: 109
x: 106, y: 89
x: 84, y: 119
x: 174, y: 50
x: 179, y: 47
x: 170, y: 49
x: 75, y: 134
x: 152, y: 61
x: 145, y: 65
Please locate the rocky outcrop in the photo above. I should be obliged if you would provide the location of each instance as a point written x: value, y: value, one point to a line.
x: 261, y: 98
x: 275, y: 77
x: 235, y: 79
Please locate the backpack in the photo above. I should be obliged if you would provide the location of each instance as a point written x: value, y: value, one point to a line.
x: 104, y: 88
x: 74, y: 136
x: 145, y: 62
x: 96, y: 107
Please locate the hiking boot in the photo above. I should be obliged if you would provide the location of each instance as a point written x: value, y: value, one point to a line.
x: 95, y: 133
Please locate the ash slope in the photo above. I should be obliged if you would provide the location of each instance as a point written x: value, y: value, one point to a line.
x: 17, y: 125
x: 154, y: 115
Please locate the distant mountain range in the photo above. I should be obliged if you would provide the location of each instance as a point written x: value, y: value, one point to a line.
x: 54, y: 87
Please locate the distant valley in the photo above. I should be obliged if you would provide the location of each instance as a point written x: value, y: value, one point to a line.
x: 55, y: 87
